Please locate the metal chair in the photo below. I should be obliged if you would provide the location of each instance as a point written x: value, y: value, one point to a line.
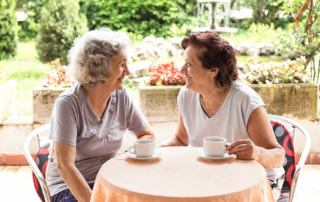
x: 285, y: 137
x: 38, y: 175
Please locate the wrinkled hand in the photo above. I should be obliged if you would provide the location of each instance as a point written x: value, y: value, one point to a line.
x: 243, y: 149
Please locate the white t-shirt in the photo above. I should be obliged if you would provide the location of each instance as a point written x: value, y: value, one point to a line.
x: 96, y: 140
x: 230, y: 121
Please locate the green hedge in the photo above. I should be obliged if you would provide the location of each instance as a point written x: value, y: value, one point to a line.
x: 8, y: 29
x: 142, y: 17
x: 60, y: 24
x: 28, y: 29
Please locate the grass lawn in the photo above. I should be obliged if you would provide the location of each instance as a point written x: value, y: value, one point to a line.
x: 28, y: 71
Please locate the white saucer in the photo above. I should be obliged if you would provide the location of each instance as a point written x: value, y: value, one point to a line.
x: 203, y: 155
x: 156, y: 154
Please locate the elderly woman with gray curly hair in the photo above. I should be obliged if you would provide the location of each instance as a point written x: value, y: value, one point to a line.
x: 89, y: 119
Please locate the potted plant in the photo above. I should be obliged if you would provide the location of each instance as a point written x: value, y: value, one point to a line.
x: 56, y: 81
x: 7, y: 95
x: 284, y: 87
x: 158, y: 95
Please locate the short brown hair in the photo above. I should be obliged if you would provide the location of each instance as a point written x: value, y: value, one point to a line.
x: 217, y: 53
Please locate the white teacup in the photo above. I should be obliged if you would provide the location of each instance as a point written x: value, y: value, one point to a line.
x: 143, y: 148
x: 214, y: 146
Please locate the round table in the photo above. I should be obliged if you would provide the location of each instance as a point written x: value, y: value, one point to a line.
x: 179, y: 174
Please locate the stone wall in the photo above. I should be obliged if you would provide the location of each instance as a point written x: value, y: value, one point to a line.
x: 43, y: 102
x: 7, y: 98
x: 152, y: 47
x: 159, y: 103
x: 290, y: 100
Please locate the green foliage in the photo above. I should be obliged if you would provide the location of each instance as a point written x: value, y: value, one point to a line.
x: 276, y: 73
x: 8, y: 29
x: 257, y: 33
x: 292, y: 6
x: 28, y: 29
x: 60, y: 25
x: 299, y: 40
x: 142, y: 17
x: 264, y: 12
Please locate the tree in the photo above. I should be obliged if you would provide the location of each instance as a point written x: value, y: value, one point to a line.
x: 266, y: 11
x: 8, y: 29
x: 306, y: 32
x: 28, y: 29
x: 60, y: 24
x: 141, y: 17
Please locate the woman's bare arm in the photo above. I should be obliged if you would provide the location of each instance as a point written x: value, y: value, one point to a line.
x: 65, y: 157
x: 180, y: 138
x: 147, y: 133
x: 262, y: 145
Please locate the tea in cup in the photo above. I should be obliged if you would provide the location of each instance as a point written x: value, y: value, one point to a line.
x: 214, y: 146
x: 143, y: 148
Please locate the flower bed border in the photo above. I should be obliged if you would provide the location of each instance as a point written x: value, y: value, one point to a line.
x: 43, y: 102
x: 7, y: 98
x: 294, y: 100
x: 159, y: 103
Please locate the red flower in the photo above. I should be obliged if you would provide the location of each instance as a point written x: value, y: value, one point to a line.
x: 165, y: 74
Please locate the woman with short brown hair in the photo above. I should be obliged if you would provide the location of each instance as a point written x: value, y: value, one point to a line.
x: 214, y: 103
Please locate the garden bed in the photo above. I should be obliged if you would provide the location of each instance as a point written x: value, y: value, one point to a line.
x: 43, y: 102
x: 159, y: 103
x: 7, y: 98
x: 291, y: 100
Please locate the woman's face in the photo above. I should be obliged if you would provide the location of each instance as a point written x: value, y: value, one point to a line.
x: 197, y: 77
x: 119, y: 70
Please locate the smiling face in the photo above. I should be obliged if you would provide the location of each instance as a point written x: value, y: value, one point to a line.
x: 197, y: 77
x: 119, y: 69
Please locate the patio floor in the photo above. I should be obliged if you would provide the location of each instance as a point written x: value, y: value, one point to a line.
x: 16, y: 184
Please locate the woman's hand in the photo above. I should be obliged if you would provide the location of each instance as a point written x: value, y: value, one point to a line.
x: 243, y: 149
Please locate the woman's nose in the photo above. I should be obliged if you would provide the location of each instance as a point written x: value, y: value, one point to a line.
x: 127, y: 71
x: 182, y: 69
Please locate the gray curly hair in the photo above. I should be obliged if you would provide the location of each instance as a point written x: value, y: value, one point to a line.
x: 90, y: 56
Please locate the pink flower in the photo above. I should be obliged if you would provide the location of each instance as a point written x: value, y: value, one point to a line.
x: 165, y: 74
x: 58, y: 78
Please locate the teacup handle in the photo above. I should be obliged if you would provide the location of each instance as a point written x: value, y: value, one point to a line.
x: 132, y: 150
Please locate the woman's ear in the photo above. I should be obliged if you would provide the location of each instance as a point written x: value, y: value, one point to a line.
x: 213, y: 72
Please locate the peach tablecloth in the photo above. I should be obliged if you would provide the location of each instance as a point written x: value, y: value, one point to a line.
x: 180, y: 175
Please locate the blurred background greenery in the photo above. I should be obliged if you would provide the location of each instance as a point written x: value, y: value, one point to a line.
x: 39, y: 42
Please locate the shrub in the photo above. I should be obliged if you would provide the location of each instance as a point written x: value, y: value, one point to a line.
x: 291, y: 71
x: 164, y: 74
x: 303, y: 38
x: 8, y: 29
x: 142, y: 17
x: 58, y: 77
x: 60, y: 25
x: 28, y: 29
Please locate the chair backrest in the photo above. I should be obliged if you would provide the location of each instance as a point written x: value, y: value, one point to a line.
x: 285, y: 140
x: 285, y: 137
x: 41, y: 160
x: 39, y: 164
